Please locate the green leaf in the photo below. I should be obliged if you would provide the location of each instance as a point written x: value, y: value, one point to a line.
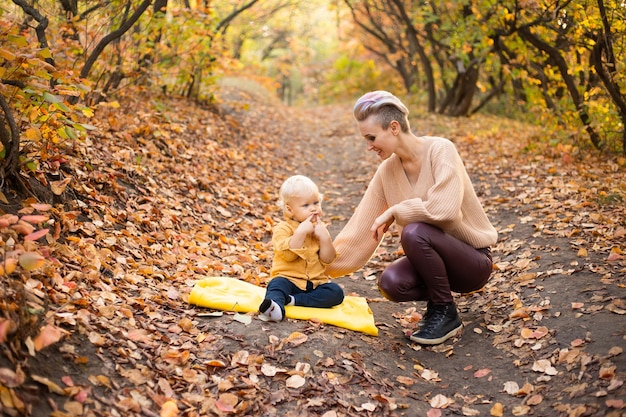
x: 19, y: 40
x: 51, y: 98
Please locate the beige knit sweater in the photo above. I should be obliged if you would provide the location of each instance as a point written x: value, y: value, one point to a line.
x: 442, y: 196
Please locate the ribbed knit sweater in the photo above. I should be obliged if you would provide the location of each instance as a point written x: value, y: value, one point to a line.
x: 442, y: 196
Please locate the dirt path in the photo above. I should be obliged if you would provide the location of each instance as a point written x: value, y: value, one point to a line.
x: 544, y: 338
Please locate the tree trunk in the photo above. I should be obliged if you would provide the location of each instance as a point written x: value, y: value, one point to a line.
x: 458, y: 101
x: 572, y: 89
x: 116, y: 34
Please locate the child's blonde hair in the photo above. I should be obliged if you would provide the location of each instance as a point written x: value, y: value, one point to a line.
x: 297, y: 186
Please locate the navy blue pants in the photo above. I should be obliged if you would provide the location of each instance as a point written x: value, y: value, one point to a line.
x: 435, y: 265
x: 324, y: 295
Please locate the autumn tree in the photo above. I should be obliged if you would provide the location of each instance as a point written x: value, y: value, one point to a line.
x: 561, y: 56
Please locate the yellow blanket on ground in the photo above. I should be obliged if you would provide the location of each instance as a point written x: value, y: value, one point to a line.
x: 231, y: 294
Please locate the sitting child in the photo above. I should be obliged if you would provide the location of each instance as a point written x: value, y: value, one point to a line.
x: 302, y: 249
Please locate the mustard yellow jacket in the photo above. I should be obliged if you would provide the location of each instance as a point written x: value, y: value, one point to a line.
x: 298, y: 265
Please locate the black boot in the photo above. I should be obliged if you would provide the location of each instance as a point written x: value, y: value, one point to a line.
x: 443, y: 324
x: 430, y: 310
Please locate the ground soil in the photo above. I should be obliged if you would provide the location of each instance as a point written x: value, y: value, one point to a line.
x: 574, y: 305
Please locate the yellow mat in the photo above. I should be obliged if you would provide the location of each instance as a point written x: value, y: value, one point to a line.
x: 231, y: 294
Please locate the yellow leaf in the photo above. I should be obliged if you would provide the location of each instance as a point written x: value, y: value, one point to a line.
x: 44, y: 53
x: 582, y: 253
x: 497, y: 410
x: 6, y: 54
x: 29, y: 261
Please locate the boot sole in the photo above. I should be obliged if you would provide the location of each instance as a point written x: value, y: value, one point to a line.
x: 439, y: 340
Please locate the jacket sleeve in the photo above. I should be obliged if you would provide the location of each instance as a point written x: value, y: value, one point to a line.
x: 281, y: 236
x: 442, y: 204
x: 355, y: 244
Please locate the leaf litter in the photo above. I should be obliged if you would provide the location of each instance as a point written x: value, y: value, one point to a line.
x: 96, y: 288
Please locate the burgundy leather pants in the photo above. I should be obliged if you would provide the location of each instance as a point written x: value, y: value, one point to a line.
x: 435, y: 265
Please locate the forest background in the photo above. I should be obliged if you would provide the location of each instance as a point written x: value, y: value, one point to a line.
x: 67, y: 65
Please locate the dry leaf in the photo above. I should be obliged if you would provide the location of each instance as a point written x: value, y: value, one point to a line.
x: 482, y: 372
x: 30, y: 261
x: 295, y: 381
x: 58, y: 187
x: 47, y: 336
x: 169, y: 409
x: 296, y: 338
x: 227, y: 402
x: 497, y: 410
x: 440, y: 401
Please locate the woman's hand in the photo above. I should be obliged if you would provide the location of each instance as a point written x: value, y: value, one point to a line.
x: 381, y: 224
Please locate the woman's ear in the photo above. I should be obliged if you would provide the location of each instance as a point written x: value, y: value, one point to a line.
x: 395, y: 128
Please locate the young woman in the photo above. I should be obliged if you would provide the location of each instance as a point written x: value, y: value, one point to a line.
x: 422, y: 186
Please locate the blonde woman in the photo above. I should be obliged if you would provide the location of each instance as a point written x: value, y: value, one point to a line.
x: 422, y: 186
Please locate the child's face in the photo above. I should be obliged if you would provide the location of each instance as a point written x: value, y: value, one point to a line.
x: 302, y: 207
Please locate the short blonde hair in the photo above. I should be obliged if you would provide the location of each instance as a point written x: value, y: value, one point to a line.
x: 385, y: 107
x: 297, y: 186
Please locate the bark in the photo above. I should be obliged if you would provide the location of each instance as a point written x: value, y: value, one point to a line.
x: 10, y: 138
x: 116, y: 34
x: 572, y: 88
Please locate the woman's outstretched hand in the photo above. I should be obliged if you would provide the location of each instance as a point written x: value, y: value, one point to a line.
x: 381, y: 224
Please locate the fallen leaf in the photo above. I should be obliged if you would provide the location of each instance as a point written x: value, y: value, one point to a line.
x: 440, y: 401
x: 227, y: 402
x: 433, y: 412
x: 544, y: 365
x: 30, y: 261
x: 497, y: 410
x: 295, y: 381
x: 52, y: 387
x: 58, y: 187
x: 47, y: 336
x: 296, y: 338
x: 482, y: 372
x: 10, y: 378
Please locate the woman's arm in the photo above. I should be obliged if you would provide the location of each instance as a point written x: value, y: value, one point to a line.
x: 355, y: 244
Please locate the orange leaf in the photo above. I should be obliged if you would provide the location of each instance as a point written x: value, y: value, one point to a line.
x: 7, y: 326
x: 227, y: 402
x: 497, y: 410
x: 169, y: 409
x: 8, y: 266
x: 296, y: 338
x: 616, y: 254
x: 35, y: 218
x: 58, y: 187
x: 482, y: 372
x: 48, y: 335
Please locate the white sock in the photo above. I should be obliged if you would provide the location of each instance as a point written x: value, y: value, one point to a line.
x: 273, y: 311
x: 292, y: 301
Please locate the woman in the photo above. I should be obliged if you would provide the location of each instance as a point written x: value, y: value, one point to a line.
x: 422, y: 186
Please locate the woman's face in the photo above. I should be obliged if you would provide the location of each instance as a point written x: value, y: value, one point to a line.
x: 381, y: 141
